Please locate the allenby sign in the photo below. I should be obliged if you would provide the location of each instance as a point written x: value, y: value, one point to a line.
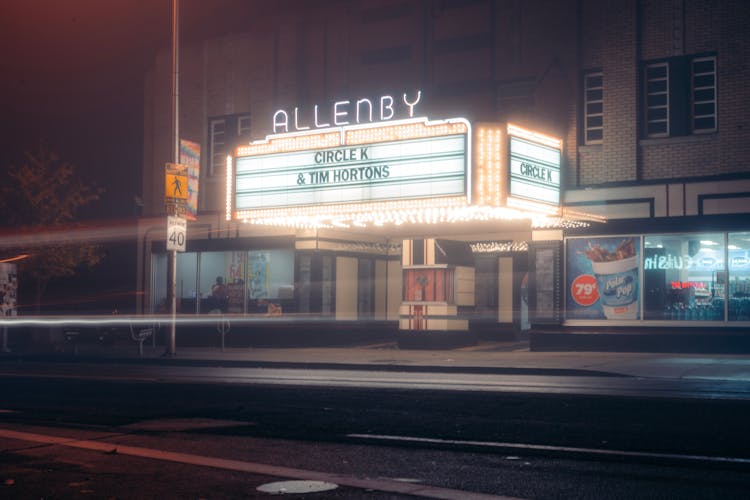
x: 348, y: 112
x: 329, y: 165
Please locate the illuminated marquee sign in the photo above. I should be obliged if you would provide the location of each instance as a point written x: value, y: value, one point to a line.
x: 516, y: 167
x: 343, y: 113
x: 401, y: 160
x: 534, y: 167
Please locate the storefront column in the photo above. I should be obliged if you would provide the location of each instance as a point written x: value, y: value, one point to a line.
x: 505, y: 290
x: 395, y: 290
x: 346, y: 288
x: 381, y: 289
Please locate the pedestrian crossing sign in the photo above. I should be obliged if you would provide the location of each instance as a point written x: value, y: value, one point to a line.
x: 176, y: 182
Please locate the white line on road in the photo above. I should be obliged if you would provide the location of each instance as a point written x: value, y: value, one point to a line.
x: 568, y: 449
x: 386, y: 485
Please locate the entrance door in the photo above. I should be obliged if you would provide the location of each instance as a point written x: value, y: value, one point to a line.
x: 366, y: 289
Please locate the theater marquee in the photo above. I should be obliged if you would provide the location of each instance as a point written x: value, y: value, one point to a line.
x: 353, y: 166
x: 373, y: 168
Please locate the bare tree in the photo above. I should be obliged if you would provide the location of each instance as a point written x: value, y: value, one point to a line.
x: 42, y: 198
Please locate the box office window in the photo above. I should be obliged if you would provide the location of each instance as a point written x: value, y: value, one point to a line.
x: 684, y: 277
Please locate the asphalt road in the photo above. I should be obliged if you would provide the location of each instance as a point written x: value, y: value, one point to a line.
x: 405, y: 441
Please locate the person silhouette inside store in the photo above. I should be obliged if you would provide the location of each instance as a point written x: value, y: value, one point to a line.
x: 219, y: 295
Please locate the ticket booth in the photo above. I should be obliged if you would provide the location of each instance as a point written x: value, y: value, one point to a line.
x: 438, y: 287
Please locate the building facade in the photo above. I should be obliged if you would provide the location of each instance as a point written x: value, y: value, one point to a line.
x: 648, y: 99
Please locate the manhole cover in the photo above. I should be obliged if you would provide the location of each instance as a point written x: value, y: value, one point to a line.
x: 296, y: 487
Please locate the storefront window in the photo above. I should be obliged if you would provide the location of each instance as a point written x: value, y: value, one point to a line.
x: 738, y: 285
x: 159, y: 283
x: 185, y: 282
x: 219, y: 271
x: 270, y: 281
x: 683, y: 277
x: 231, y: 282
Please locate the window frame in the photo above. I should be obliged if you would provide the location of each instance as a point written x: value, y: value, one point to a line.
x: 243, y: 130
x: 215, y: 145
x: 235, y: 128
x: 694, y: 102
x: 587, y: 115
x: 647, y: 94
x: 689, y: 94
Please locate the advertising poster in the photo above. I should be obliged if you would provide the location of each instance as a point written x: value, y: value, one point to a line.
x: 190, y: 156
x: 603, y: 278
x: 8, y: 289
x: 258, y: 276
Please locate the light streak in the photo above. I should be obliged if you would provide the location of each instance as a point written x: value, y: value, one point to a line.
x: 13, y: 259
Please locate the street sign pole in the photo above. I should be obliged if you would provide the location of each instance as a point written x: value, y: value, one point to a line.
x: 172, y: 289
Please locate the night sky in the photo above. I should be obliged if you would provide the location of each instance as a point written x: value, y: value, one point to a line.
x: 72, y: 76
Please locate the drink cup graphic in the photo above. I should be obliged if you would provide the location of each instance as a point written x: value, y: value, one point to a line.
x: 617, y: 281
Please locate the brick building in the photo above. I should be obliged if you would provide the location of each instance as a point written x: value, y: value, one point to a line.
x: 648, y: 97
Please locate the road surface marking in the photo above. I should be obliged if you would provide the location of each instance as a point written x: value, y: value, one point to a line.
x: 390, y: 486
x: 543, y: 447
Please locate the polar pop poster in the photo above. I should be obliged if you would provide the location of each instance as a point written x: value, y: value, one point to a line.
x: 603, y: 277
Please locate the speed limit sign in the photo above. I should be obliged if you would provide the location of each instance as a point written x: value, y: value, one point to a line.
x: 176, y: 233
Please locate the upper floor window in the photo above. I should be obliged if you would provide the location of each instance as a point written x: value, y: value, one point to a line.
x: 679, y: 96
x: 704, y: 94
x: 657, y: 100
x: 593, y: 107
x: 224, y: 134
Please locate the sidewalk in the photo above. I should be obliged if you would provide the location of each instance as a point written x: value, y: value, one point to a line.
x: 487, y: 357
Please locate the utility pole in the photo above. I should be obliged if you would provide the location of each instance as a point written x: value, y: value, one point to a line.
x: 172, y: 254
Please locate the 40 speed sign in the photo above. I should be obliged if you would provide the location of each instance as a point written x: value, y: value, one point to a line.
x: 176, y: 233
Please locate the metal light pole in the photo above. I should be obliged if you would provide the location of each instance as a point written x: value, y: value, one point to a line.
x: 172, y: 287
